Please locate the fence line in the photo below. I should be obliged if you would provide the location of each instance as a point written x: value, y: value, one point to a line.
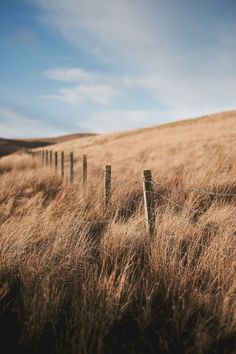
x: 46, y: 157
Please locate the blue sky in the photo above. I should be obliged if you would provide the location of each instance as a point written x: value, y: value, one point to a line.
x: 106, y: 65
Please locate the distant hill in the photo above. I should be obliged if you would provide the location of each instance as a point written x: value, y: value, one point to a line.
x: 208, y: 136
x: 9, y: 146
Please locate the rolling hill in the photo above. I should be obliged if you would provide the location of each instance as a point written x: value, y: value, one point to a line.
x: 189, y: 145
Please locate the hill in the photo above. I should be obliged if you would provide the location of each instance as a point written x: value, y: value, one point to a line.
x: 9, y: 146
x: 78, y: 278
x: 187, y: 145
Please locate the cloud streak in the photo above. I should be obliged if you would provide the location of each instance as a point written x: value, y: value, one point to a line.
x: 73, y: 75
x: 98, y: 94
x: 16, y: 125
x: 90, y: 86
x: 113, y: 120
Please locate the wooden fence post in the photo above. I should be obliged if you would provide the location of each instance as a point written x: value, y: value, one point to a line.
x: 62, y: 164
x: 46, y: 157
x: 107, y: 186
x: 56, y: 160
x: 43, y: 153
x: 148, y: 202
x: 85, y: 169
x: 50, y: 158
x: 71, y: 167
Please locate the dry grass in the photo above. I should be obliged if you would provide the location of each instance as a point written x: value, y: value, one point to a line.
x: 76, y: 279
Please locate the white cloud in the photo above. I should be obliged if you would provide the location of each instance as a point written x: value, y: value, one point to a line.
x: 112, y: 120
x: 16, y: 125
x: 73, y: 75
x: 100, y: 94
x: 90, y: 86
x: 183, y: 99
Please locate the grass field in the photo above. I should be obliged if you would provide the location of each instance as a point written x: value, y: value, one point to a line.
x: 78, y: 279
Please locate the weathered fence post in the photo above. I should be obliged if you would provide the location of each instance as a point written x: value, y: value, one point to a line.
x: 46, y: 157
x: 62, y: 164
x: 71, y: 167
x: 85, y: 169
x: 43, y: 153
x: 148, y: 201
x: 56, y: 160
x: 107, y: 186
x: 50, y: 158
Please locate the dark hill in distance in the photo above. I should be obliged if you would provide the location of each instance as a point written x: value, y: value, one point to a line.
x: 9, y: 146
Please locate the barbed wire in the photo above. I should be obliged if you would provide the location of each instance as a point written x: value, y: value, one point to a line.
x: 190, y: 190
x: 197, y: 190
x: 190, y: 210
x: 171, y: 201
x: 124, y: 184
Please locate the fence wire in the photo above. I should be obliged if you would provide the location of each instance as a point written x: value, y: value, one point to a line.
x: 124, y: 183
x: 194, y: 190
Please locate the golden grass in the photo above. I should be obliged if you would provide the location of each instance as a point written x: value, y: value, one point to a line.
x: 76, y: 279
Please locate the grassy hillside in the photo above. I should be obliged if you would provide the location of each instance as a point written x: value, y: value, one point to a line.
x: 78, y: 279
x: 9, y: 146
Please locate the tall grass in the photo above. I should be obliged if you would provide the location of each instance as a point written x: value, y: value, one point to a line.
x: 76, y: 279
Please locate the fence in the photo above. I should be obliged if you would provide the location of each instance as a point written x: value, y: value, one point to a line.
x: 148, y: 184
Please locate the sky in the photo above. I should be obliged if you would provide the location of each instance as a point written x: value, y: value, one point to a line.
x: 107, y: 65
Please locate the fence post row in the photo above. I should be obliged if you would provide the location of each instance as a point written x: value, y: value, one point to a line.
x: 71, y: 167
x: 85, y: 169
x: 62, y: 164
x: 107, y: 186
x: 47, y: 157
x: 148, y: 202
